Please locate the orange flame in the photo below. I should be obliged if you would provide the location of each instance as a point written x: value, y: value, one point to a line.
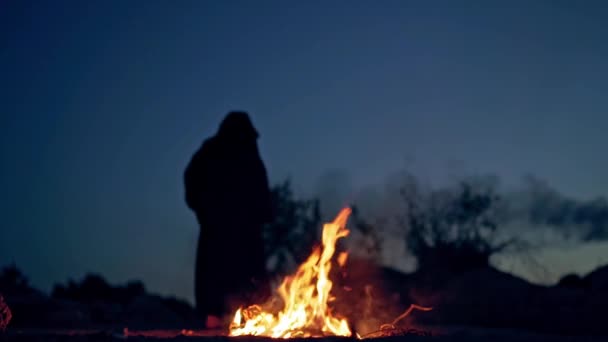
x: 305, y: 296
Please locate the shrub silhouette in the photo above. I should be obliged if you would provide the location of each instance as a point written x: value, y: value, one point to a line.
x: 95, y: 288
x: 294, y: 230
x: 13, y: 281
x: 452, y: 229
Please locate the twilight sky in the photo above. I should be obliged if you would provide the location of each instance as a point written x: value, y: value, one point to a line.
x: 103, y: 103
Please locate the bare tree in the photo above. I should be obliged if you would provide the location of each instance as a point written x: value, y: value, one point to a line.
x: 451, y: 229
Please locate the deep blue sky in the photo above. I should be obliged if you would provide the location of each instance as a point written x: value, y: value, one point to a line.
x: 103, y: 102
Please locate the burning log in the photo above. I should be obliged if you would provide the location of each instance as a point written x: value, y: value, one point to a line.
x: 5, y: 314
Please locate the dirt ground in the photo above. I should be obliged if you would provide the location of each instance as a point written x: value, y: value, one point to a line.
x: 447, y: 334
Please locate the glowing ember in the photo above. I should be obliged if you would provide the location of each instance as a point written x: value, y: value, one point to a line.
x: 305, y: 295
x: 5, y: 314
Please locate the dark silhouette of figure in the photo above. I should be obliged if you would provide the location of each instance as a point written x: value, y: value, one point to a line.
x: 227, y: 188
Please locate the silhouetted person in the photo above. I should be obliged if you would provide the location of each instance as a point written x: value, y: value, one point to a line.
x: 227, y: 188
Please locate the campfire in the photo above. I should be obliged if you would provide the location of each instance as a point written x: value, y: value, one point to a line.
x: 306, y: 297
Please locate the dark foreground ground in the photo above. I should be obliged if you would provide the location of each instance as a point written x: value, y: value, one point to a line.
x: 455, y: 334
x: 508, y: 308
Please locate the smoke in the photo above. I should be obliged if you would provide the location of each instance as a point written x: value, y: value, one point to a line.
x: 540, y: 205
x: 334, y: 188
x: 534, y: 208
